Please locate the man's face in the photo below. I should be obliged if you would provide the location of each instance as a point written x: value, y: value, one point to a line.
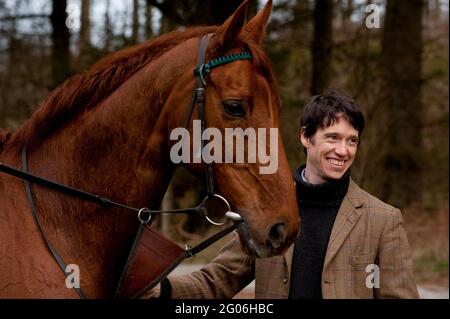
x: 330, y: 151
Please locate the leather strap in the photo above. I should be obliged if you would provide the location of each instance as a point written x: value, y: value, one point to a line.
x: 29, y: 195
x: 198, y: 97
x: 189, y: 253
x: 211, y: 240
x: 198, y: 83
x: 102, y: 201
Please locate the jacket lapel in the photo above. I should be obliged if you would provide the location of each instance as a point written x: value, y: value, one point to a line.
x: 346, y: 218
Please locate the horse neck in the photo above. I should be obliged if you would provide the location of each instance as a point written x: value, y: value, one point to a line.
x: 118, y: 150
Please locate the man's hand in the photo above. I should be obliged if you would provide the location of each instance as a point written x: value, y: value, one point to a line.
x: 153, y: 293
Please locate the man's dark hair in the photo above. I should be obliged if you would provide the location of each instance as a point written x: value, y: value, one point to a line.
x: 323, y: 110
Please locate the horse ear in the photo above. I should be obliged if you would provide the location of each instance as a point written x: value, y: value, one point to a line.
x: 229, y: 31
x: 256, y: 28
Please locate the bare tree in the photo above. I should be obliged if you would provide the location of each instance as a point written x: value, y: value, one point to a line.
x: 135, y: 24
x: 321, y: 45
x: 199, y: 12
x: 395, y: 165
x: 60, y: 42
x: 85, y: 26
x: 108, y: 27
x: 148, y: 21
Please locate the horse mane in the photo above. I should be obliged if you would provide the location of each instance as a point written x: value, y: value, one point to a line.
x: 84, y: 91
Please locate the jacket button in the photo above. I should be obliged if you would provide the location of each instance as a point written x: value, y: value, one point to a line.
x: 285, y: 280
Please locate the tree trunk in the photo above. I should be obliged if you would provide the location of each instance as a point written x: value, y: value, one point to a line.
x: 221, y: 10
x: 148, y: 21
x: 84, y: 43
x: 252, y: 8
x: 347, y: 14
x: 302, y: 13
x: 108, y: 27
x: 395, y: 166
x: 85, y: 29
x: 321, y: 45
x: 135, y: 25
x: 166, y: 25
x: 60, y: 43
x: 13, y: 52
x: 198, y: 12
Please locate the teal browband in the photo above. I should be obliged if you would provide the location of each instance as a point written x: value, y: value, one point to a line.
x: 205, y: 68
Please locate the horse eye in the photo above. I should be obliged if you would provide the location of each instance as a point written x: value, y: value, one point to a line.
x: 234, y: 108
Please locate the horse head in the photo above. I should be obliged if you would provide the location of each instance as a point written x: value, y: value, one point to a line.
x: 241, y: 95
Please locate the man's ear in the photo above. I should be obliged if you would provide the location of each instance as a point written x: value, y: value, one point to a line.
x: 228, y: 32
x: 306, y: 142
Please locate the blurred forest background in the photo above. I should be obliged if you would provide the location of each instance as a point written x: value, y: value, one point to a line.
x: 397, y: 71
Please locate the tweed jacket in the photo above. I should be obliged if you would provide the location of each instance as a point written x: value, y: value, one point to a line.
x: 368, y: 256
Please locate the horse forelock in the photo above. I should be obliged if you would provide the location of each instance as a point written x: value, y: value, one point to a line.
x: 85, y: 90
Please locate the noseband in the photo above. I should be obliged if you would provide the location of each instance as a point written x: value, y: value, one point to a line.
x: 212, y: 201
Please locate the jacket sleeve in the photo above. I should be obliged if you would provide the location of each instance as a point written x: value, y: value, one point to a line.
x: 226, y: 275
x: 395, y: 261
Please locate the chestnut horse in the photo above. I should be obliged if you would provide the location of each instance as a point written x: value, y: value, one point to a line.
x: 107, y: 132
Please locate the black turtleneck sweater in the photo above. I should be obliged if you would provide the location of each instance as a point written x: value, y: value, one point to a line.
x: 318, y: 205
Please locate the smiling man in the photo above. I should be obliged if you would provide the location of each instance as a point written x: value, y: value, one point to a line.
x: 350, y: 245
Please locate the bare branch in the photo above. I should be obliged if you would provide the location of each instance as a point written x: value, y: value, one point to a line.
x: 24, y: 16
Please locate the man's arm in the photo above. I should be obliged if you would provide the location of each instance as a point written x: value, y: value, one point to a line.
x: 226, y: 275
x: 395, y: 261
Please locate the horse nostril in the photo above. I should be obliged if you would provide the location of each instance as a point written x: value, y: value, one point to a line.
x: 277, y: 235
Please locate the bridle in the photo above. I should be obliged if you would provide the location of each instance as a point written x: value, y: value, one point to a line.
x: 199, y: 95
x: 211, y: 202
